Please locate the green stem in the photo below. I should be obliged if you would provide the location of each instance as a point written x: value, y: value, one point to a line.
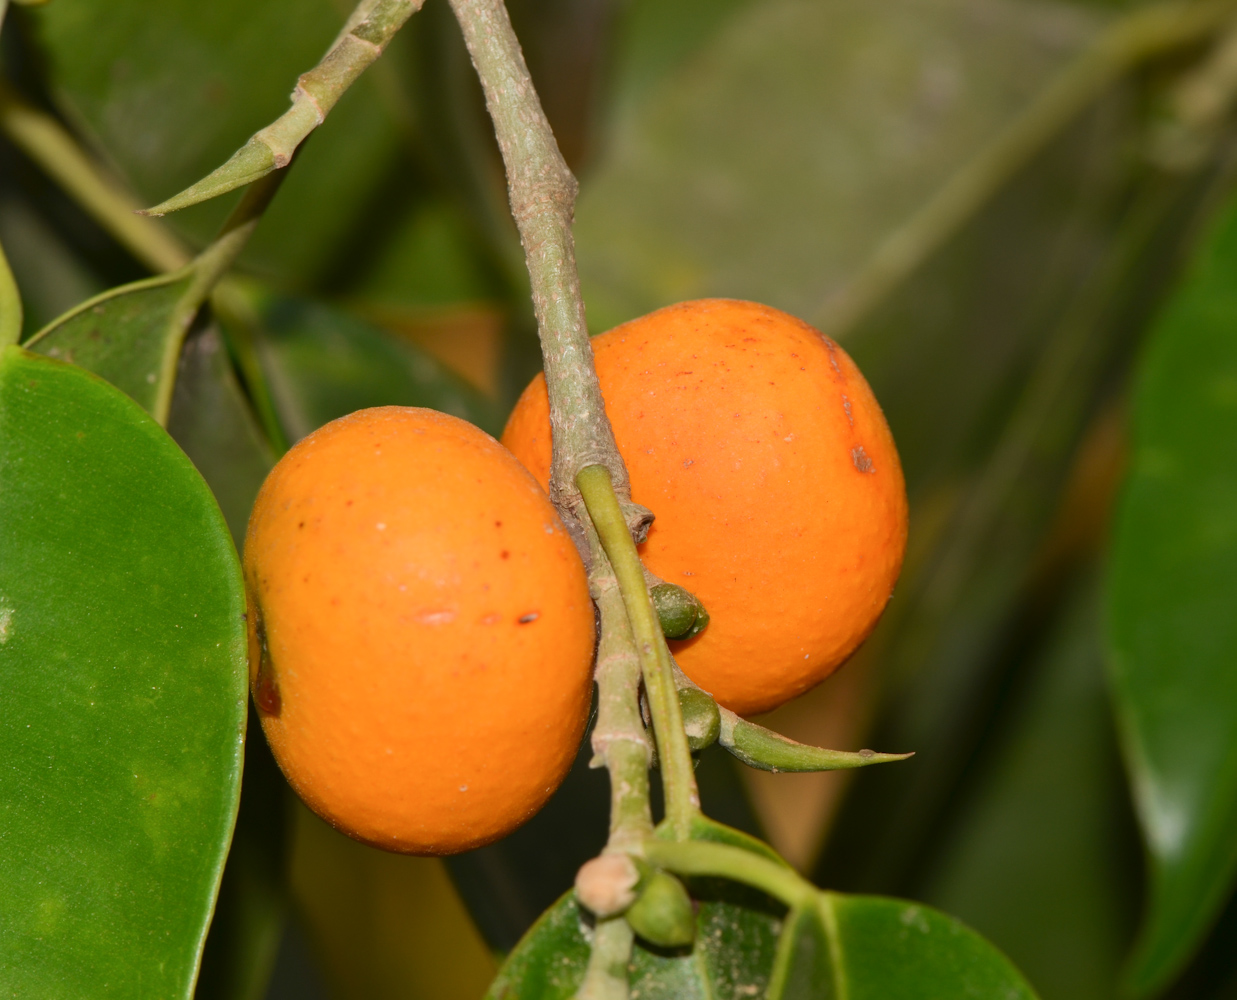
x: 1137, y: 37
x: 10, y: 296
x: 619, y: 739
x: 358, y: 45
x: 606, y: 975
x: 48, y: 144
x: 682, y: 798
x: 701, y: 858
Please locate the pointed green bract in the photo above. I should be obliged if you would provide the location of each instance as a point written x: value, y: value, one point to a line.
x: 766, y: 750
x: 252, y: 161
x: 1172, y: 631
x: 371, y: 26
x: 130, y: 336
x: 122, y: 692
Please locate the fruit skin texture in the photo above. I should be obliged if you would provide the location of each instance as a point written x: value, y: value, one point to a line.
x: 775, y: 482
x: 428, y: 629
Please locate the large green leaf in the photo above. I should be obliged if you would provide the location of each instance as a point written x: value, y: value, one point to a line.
x: 773, y: 160
x: 844, y: 948
x: 1172, y: 591
x: 211, y: 420
x: 1041, y: 855
x: 122, y: 706
x: 130, y: 336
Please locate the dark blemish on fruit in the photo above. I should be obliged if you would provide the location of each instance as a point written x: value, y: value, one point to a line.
x: 860, y: 458
x: 504, y: 554
x: 265, y: 687
x: 850, y: 417
x: 532, y: 616
x: 301, y: 525
x: 688, y: 463
x: 498, y: 524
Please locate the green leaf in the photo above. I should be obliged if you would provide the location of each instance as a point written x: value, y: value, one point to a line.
x: 549, y: 961
x: 1041, y: 851
x: 211, y: 419
x: 889, y: 949
x: 170, y: 91
x: 240, y: 950
x: 842, y: 947
x: 771, y: 162
x: 321, y: 364
x: 123, y: 692
x: 1172, y: 590
x: 130, y: 336
x: 804, y: 965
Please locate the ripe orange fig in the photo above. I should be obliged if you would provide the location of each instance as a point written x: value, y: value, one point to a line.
x: 775, y: 482
x: 421, y: 631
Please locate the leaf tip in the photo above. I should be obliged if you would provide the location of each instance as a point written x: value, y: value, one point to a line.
x: 252, y: 161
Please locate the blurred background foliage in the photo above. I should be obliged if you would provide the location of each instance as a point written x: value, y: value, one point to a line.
x: 774, y: 150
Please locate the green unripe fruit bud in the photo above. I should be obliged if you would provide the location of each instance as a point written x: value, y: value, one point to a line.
x: 682, y: 615
x: 701, y: 720
x: 663, y: 914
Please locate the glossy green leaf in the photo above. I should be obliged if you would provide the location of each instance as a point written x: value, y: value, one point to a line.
x: 251, y: 912
x: 122, y: 652
x: 839, y: 948
x: 130, y: 336
x: 1172, y: 591
x: 211, y: 420
x: 889, y: 949
x: 322, y: 363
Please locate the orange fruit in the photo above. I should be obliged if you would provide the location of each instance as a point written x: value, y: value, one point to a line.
x: 421, y: 631
x: 774, y: 479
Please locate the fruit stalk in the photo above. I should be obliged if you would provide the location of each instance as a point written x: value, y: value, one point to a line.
x: 619, y: 740
x: 542, y: 192
x: 682, y: 797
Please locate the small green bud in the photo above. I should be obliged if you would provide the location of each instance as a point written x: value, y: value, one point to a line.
x: 662, y: 914
x: 682, y: 615
x: 701, y: 720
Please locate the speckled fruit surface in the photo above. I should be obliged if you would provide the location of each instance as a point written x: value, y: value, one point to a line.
x: 421, y: 631
x: 774, y: 478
